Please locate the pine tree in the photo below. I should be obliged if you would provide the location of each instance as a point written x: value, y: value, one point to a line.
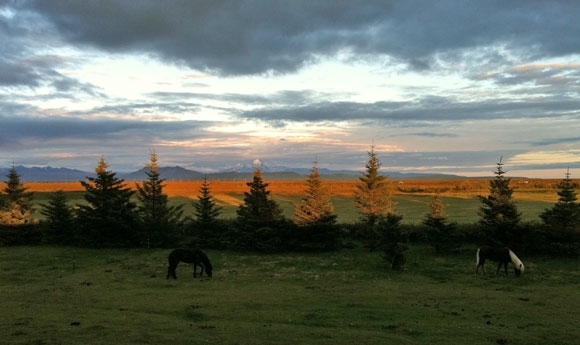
x: 160, y: 220
x: 391, y: 240
x: 564, y: 216
x: 440, y: 233
x: 316, y: 208
x: 15, y: 202
x: 499, y: 216
x: 258, y: 209
x: 373, y: 195
x: 60, y: 218
x: 206, y: 209
x: 109, y: 216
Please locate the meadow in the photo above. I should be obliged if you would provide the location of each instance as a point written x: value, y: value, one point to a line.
x: 58, y: 295
x: 412, y: 197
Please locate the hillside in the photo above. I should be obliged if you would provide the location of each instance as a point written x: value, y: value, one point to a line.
x: 176, y: 173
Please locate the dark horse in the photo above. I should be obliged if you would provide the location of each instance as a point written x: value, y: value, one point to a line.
x: 196, y: 256
x: 503, y: 256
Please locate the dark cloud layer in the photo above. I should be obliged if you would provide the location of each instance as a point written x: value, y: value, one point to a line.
x: 21, y: 129
x: 423, y: 110
x: 248, y: 37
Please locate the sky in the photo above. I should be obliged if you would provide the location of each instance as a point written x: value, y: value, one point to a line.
x: 441, y: 86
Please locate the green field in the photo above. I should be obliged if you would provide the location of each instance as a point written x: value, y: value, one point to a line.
x: 86, y: 296
x: 412, y: 207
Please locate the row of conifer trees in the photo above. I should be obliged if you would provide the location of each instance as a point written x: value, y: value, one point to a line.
x: 111, y: 218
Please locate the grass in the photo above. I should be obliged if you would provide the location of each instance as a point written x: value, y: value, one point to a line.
x: 413, y: 207
x: 70, y: 296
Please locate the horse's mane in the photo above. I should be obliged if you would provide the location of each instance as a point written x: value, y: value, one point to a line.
x: 204, y: 260
x: 516, y: 261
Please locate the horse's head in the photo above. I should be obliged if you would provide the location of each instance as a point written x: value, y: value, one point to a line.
x: 519, y: 269
x: 208, y: 270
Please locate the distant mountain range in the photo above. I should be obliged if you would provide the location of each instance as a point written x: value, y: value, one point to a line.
x: 238, y: 172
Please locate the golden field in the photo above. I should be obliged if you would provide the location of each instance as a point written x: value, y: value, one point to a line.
x: 544, y: 189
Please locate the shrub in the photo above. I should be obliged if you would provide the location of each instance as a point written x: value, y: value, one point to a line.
x: 20, y: 235
x: 392, y: 241
x: 214, y: 235
x: 267, y: 239
x: 318, y: 237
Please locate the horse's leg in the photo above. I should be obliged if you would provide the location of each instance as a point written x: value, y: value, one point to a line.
x: 172, y: 261
x: 504, y: 264
x: 481, y: 264
x: 170, y: 269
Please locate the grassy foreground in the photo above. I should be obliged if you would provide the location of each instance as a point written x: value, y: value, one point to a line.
x: 81, y: 296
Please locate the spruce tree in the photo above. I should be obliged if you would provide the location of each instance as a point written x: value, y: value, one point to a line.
x: 160, y: 221
x: 109, y: 217
x: 499, y: 216
x: 564, y: 216
x: 440, y: 233
x: 206, y: 209
x: 15, y: 201
x: 60, y: 218
x: 207, y: 230
x: 258, y: 209
x: 372, y: 194
x: 316, y: 208
x: 391, y: 240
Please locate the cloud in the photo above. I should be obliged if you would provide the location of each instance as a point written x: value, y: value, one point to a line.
x: 26, y: 60
x: 44, y: 131
x: 538, y: 78
x: 244, y: 37
x: 552, y: 158
x: 555, y: 141
x: 425, y: 109
x: 436, y: 135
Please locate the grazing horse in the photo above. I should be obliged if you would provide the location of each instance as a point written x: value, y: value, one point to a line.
x: 503, y: 256
x: 196, y: 256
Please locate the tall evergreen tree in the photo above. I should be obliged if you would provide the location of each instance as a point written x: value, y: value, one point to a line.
x: 259, y: 209
x: 160, y: 221
x: 206, y: 209
x: 499, y: 216
x: 207, y: 230
x: 15, y: 201
x: 373, y: 194
x: 316, y: 208
x: 60, y: 218
x: 109, y: 217
x: 564, y: 216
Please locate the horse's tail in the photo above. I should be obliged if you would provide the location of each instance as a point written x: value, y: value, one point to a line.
x: 172, y: 264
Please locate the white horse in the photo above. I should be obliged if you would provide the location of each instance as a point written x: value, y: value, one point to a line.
x: 501, y: 255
